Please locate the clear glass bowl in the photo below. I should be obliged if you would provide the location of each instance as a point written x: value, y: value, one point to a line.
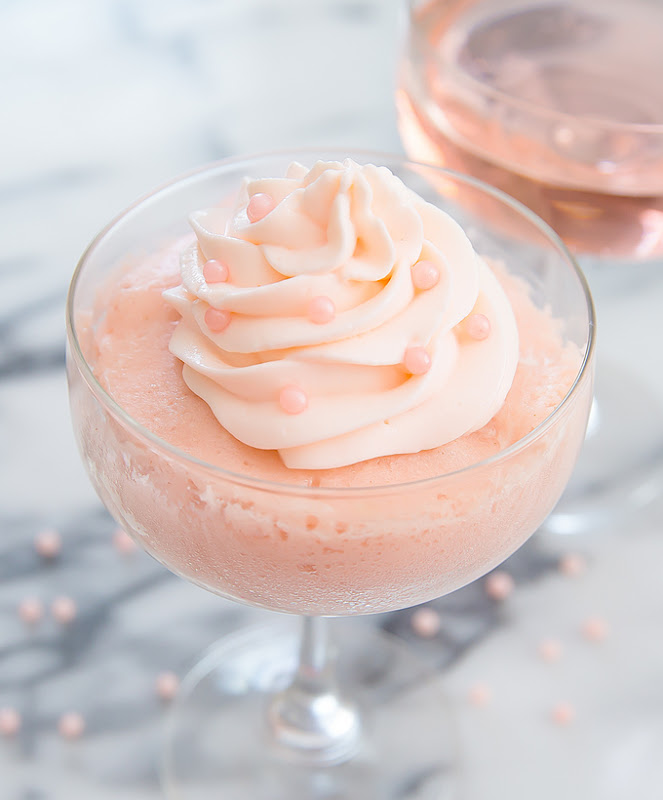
x: 317, y: 550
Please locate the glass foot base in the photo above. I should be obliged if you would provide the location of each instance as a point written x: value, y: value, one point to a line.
x: 219, y: 744
x: 620, y: 468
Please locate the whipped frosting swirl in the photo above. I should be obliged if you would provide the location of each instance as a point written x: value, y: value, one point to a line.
x: 349, y: 238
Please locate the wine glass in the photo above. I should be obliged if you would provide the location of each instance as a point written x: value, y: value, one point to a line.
x: 262, y: 715
x: 554, y: 103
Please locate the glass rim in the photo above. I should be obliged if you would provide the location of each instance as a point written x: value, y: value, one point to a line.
x: 264, y: 484
x: 603, y: 123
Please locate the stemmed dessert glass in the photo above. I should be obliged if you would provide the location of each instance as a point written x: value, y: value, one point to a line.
x: 265, y: 713
x: 555, y: 102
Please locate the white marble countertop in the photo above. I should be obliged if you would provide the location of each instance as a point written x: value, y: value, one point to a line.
x: 102, y: 102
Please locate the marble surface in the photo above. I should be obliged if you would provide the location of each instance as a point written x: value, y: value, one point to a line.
x: 106, y: 100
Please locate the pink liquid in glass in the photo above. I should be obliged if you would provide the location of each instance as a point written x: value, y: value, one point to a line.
x: 559, y: 104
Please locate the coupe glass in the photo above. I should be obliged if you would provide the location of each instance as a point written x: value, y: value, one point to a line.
x: 265, y: 714
x: 555, y: 102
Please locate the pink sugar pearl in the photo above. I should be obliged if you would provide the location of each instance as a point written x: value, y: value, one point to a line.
x: 215, y: 272
x: 293, y: 400
x: 426, y: 622
x: 499, y: 585
x: 63, y: 610
x: 478, y: 326
x: 416, y: 360
x: 259, y: 206
x: 479, y: 695
x: 563, y: 714
x: 321, y: 310
x: 425, y: 275
x: 572, y: 565
x: 550, y: 650
x: 31, y: 610
x: 10, y: 722
x: 216, y: 320
x: 71, y: 725
x: 167, y: 685
x: 48, y: 543
x: 123, y: 543
x: 595, y: 629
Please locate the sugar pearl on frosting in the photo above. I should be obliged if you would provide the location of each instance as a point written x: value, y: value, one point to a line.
x: 478, y: 326
x: 215, y: 272
x: 217, y: 320
x: 293, y: 400
x: 425, y: 275
x: 416, y: 360
x: 321, y: 310
x: 259, y: 206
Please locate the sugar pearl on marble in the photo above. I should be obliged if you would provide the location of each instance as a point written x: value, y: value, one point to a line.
x: 321, y: 310
x: 167, y: 685
x: 426, y: 622
x: 31, y: 610
x: 48, y: 543
x: 10, y: 722
x: 293, y: 400
x: 425, y: 275
x: 563, y: 714
x: 595, y: 629
x: 477, y: 326
x: 63, y: 610
x: 259, y: 206
x: 499, y: 585
x: 215, y: 272
x: 479, y: 695
x: 123, y: 543
x: 550, y: 650
x: 572, y: 565
x: 71, y: 725
x: 416, y: 360
x: 217, y: 320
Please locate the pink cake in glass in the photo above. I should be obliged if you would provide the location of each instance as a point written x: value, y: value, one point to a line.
x: 331, y: 332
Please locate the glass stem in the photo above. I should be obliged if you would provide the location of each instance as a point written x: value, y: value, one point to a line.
x: 309, y: 720
x: 314, y: 670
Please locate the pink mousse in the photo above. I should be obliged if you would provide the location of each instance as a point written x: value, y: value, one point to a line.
x: 132, y: 361
x: 307, y: 552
